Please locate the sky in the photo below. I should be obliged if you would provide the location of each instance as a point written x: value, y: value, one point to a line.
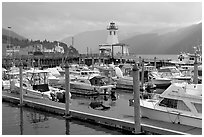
x: 57, y: 20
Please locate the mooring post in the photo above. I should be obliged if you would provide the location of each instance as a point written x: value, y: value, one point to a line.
x: 99, y: 60
x: 139, y: 61
x: 79, y: 60
x: 155, y: 62
x: 67, y: 90
x: 136, y: 93
x: 142, y: 76
x: 92, y: 63
x: 21, y: 83
x: 195, y: 76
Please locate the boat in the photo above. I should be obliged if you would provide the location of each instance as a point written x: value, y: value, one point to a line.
x: 180, y: 103
x: 158, y: 80
x: 173, y: 73
x: 5, y: 79
x: 94, y: 84
x: 124, y: 79
x: 35, y: 84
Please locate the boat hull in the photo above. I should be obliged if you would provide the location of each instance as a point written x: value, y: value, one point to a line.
x: 161, y: 83
x: 170, y: 116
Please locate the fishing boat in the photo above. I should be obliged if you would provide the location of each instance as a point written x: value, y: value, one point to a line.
x: 35, y: 84
x: 180, y: 103
x: 94, y: 84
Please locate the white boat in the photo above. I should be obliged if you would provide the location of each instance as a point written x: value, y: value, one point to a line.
x: 35, y: 84
x: 159, y: 81
x: 180, y: 103
x: 126, y: 82
x: 173, y: 73
x: 95, y: 84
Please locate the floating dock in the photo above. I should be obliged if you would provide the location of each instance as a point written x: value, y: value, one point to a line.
x: 108, y: 118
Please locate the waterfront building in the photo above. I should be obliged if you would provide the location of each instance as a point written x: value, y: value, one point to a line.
x: 10, y: 49
x: 112, y: 47
x: 58, y: 48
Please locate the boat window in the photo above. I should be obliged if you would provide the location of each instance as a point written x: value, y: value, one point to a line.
x: 198, y: 107
x: 170, y: 103
x: 182, y: 106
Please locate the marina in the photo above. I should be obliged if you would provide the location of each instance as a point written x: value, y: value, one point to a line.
x: 115, y: 117
x: 148, y: 83
x: 41, y: 123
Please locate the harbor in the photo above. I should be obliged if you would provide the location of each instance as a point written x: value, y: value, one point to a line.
x: 115, y: 117
x: 124, y: 78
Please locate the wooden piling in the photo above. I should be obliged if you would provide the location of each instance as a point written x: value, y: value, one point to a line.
x: 155, y: 62
x: 21, y: 83
x: 142, y: 75
x: 67, y: 90
x: 140, y: 59
x: 92, y: 63
x: 195, y: 76
x: 136, y: 93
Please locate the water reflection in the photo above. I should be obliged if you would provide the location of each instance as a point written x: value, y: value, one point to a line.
x: 97, y: 102
x: 67, y: 126
x: 21, y: 120
x: 27, y: 121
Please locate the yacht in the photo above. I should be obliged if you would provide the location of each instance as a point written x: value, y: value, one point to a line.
x: 94, y: 84
x: 180, y: 103
x: 35, y: 84
x: 173, y: 73
x: 158, y: 80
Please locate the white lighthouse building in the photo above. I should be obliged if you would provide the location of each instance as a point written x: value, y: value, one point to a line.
x: 112, y: 46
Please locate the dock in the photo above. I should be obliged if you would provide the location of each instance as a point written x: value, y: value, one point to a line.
x: 46, y: 60
x: 115, y: 118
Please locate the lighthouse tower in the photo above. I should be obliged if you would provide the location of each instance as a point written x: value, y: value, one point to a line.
x: 112, y: 34
x: 112, y: 46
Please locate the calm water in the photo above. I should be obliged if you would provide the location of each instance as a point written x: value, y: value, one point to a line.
x: 34, y: 122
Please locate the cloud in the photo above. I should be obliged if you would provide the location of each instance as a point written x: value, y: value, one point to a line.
x: 52, y: 20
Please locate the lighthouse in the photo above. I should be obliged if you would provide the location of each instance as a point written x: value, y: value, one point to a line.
x: 112, y: 30
x: 112, y: 46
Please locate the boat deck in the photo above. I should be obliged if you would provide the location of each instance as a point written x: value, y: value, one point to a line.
x: 114, y: 117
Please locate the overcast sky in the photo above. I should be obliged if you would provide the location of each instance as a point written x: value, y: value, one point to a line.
x: 55, y: 21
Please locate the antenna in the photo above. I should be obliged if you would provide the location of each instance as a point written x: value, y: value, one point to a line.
x: 72, y: 41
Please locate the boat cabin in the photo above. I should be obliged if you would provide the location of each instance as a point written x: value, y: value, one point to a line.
x: 38, y: 80
x: 183, y: 97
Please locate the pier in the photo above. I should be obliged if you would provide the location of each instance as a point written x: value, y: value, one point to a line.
x: 53, y: 60
x: 112, y: 118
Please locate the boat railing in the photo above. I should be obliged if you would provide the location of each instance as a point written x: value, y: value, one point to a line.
x: 151, y: 97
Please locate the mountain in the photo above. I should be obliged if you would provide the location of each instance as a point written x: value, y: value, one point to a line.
x: 18, y: 40
x: 92, y: 39
x: 12, y: 34
x: 167, y: 40
x: 183, y: 39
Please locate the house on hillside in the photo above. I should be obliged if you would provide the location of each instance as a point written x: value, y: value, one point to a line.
x: 31, y: 49
x: 58, y: 48
x: 10, y: 49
